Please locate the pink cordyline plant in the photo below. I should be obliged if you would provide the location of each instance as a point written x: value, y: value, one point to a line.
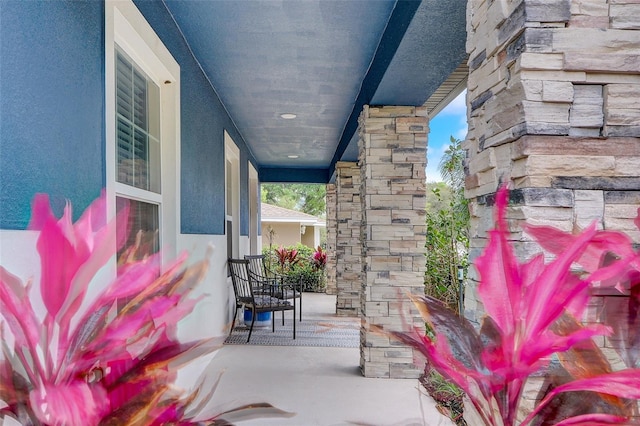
x: 286, y: 258
x: 531, y: 315
x: 319, y: 259
x: 112, y: 362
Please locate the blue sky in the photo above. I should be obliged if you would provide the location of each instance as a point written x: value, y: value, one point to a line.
x: 451, y: 121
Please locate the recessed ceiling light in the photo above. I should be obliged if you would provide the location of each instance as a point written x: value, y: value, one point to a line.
x: 293, y: 156
x: 288, y: 116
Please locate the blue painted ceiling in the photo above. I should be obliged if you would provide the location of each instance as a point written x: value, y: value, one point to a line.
x: 321, y: 60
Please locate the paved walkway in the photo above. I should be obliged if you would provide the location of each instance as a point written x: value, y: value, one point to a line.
x: 322, y: 386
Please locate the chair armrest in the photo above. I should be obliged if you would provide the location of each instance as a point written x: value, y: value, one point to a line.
x: 289, y: 288
x: 260, y: 283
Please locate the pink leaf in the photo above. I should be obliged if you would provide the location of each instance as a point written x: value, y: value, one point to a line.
x: 596, y: 419
x: 623, y: 384
x: 549, y: 343
x: 59, y: 264
x: 246, y: 412
x: 72, y: 404
x: 135, y: 278
x: 114, y: 340
x: 100, y: 248
x: 500, y: 284
x: 554, y: 288
x: 498, y: 280
x: 556, y: 242
x: 15, y: 301
x: 170, y: 414
x: 40, y: 212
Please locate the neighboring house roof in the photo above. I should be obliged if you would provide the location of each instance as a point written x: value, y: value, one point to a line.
x: 271, y: 213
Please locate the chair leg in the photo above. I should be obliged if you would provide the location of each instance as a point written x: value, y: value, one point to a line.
x: 253, y: 319
x: 233, y: 323
x: 293, y: 316
x: 283, y: 318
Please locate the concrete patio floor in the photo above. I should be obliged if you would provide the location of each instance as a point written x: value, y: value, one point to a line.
x: 322, y: 386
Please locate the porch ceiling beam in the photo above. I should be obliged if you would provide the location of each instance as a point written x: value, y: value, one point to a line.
x: 396, y: 27
x: 292, y: 175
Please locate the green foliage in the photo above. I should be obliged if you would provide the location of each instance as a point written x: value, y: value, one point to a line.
x: 304, y: 252
x: 306, y: 198
x: 446, y: 394
x: 451, y: 166
x: 442, y: 200
x: 447, y: 229
x: 312, y: 279
x: 447, y: 246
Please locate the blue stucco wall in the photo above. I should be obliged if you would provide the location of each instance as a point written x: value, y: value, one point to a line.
x: 51, y: 105
x: 203, y: 122
x: 52, y: 114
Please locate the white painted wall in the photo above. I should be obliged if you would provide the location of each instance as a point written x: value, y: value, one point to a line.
x: 19, y: 257
x: 211, y: 316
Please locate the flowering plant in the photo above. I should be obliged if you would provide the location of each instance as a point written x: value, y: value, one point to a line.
x: 319, y: 259
x: 532, y: 310
x: 286, y: 258
x: 109, y: 361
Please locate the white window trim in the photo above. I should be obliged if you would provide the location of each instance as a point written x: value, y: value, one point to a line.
x: 232, y: 155
x: 127, y: 27
x: 255, y: 242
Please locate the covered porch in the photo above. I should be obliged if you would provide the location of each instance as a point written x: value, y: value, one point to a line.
x: 321, y: 385
x: 338, y: 93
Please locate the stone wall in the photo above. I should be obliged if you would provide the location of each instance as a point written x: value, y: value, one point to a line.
x: 348, y: 248
x: 392, y: 156
x: 332, y: 230
x: 554, y: 112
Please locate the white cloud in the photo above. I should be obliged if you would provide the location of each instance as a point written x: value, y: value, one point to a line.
x: 457, y: 107
x: 433, y: 159
x: 461, y: 133
x: 456, y: 121
x: 432, y: 176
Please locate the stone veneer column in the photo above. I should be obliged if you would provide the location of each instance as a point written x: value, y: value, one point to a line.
x: 348, y: 248
x: 553, y: 111
x: 393, y: 142
x: 332, y: 230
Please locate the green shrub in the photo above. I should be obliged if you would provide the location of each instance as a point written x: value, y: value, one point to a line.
x: 311, y: 279
x: 446, y: 394
x: 447, y: 246
x: 447, y: 229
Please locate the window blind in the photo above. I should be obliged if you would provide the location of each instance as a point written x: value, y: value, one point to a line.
x: 137, y: 147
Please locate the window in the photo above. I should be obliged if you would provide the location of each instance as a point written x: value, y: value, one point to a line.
x: 142, y: 131
x: 229, y: 208
x: 141, y: 230
x: 137, y: 155
x: 138, y: 126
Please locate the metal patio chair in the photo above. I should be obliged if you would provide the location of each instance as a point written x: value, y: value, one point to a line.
x: 285, y: 288
x: 257, y: 297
